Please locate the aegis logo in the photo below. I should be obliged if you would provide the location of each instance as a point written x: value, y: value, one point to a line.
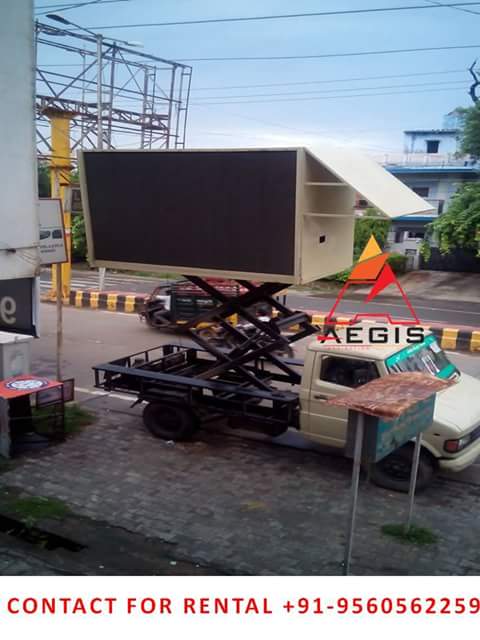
x: 374, y: 335
x: 373, y: 270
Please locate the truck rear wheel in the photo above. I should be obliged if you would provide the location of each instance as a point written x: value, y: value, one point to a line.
x: 393, y: 472
x: 169, y: 421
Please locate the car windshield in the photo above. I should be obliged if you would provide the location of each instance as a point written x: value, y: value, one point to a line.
x: 426, y: 357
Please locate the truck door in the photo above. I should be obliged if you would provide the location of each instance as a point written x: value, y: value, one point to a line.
x: 334, y: 374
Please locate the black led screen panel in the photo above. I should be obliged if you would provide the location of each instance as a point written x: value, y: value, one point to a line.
x: 218, y: 210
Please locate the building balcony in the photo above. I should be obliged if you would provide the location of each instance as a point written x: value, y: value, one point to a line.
x: 423, y: 160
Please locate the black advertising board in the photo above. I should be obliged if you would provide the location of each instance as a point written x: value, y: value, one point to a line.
x: 222, y: 211
x: 18, y: 306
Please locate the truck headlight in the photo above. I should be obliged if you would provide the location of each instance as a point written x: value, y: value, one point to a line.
x: 453, y: 446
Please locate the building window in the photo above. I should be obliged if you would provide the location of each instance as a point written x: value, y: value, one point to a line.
x: 432, y: 146
x: 417, y: 235
x: 421, y: 191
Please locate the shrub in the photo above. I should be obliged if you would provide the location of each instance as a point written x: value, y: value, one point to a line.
x: 79, y: 239
x: 398, y: 262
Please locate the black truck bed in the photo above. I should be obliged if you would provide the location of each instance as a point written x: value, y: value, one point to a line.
x: 175, y: 373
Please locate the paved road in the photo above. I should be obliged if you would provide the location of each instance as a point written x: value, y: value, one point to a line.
x: 92, y: 337
x: 440, y: 312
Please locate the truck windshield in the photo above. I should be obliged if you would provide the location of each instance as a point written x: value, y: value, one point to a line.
x: 426, y: 357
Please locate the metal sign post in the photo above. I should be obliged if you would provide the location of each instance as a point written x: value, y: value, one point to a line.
x: 4, y: 429
x: 384, y: 415
x: 413, y: 480
x: 357, y: 460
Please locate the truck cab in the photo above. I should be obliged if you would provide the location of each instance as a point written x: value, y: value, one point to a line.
x: 451, y: 443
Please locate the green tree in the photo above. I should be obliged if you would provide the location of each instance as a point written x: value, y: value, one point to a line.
x: 373, y: 222
x: 459, y: 227
x: 79, y: 238
x: 43, y: 180
x: 471, y: 131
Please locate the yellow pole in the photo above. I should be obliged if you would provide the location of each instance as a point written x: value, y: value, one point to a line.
x: 60, y: 167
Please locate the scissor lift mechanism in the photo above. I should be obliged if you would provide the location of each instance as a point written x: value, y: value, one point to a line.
x: 239, y: 381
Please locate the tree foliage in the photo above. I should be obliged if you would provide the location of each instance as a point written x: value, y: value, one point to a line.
x: 459, y: 227
x: 43, y: 180
x: 79, y: 239
x: 374, y: 223
x: 471, y: 131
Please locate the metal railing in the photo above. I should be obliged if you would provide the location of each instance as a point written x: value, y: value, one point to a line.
x: 424, y: 160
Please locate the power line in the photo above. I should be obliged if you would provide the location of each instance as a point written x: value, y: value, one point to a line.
x: 287, y: 16
x: 330, y: 55
x: 67, y: 6
x: 358, y: 95
x: 439, y: 4
x: 300, y: 93
x: 303, y: 82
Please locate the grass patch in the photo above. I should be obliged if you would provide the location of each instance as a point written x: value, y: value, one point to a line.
x: 33, y: 508
x: 76, y: 417
x: 415, y: 535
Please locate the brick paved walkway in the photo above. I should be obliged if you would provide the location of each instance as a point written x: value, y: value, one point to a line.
x: 248, y: 507
x: 18, y: 562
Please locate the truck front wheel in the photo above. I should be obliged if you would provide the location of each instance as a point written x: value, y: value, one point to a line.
x: 169, y: 421
x: 393, y: 472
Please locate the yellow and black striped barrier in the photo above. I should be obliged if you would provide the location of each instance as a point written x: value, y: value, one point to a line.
x: 127, y: 303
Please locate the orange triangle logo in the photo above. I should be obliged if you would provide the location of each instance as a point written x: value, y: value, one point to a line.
x: 370, y: 263
x: 372, y: 268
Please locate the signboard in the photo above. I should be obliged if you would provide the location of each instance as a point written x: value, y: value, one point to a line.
x: 424, y: 355
x: 18, y: 306
x: 25, y: 385
x: 382, y: 437
x: 56, y: 394
x: 75, y: 200
x: 53, y: 248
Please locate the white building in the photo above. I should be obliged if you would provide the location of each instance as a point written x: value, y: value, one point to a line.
x: 432, y: 167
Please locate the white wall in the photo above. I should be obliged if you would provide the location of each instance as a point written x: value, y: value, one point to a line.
x: 19, y: 255
x: 417, y: 142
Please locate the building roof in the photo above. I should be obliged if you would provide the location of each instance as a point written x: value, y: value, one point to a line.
x: 411, y: 219
x: 435, y: 131
x: 469, y: 170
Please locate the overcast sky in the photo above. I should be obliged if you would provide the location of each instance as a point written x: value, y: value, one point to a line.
x: 320, y: 110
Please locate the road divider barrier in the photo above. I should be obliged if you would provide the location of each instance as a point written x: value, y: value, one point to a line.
x: 124, y: 302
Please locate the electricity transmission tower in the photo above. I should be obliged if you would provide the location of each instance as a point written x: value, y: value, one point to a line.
x: 113, y: 95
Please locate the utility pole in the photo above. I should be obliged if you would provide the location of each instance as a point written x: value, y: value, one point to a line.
x: 60, y: 168
x: 99, y: 38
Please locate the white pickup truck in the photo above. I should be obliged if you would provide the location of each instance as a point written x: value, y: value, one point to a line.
x: 171, y: 379
x: 451, y: 443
